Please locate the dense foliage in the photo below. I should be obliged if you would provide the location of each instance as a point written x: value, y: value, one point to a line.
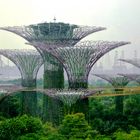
x: 73, y: 127
x: 104, y: 123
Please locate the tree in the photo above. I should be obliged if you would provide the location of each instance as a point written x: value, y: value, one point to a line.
x: 11, y: 129
x: 75, y: 127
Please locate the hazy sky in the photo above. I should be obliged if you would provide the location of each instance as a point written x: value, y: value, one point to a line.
x: 121, y: 17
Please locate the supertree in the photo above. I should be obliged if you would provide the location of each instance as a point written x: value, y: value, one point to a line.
x: 28, y: 63
x: 135, y: 62
x: 132, y: 77
x: 118, y: 83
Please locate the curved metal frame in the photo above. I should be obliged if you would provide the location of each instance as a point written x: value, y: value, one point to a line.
x: 115, y: 80
x: 27, y: 61
x: 132, y: 77
x: 27, y: 32
x: 79, y: 59
x: 135, y: 62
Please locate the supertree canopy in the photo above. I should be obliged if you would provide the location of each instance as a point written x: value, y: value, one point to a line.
x: 79, y: 59
x: 28, y: 63
x: 51, y: 32
x: 59, y: 34
x: 132, y: 77
x: 70, y: 97
x: 135, y: 62
x: 118, y: 82
x: 115, y: 80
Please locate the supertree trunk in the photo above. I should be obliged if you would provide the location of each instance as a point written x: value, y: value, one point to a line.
x: 54, y: 78
x: 77, y: 85
x: 29, y: 98
x: 29, y: 103
x: 82, y: 105
x: 119, y: 101
x: 53, y: 108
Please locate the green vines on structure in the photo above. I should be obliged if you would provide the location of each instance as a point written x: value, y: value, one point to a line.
x: 54, y: 79
x: 82, y: 106
x: 53, y: 31
x: 29, y: 98
x: 28, y: 83
x: 53, y: 72
x: 73, y: 103
x: 52, y: 108
x: 77, y: 85
x: 69, y: 98
x: 29, y: 103
x: 119, y: 101
x: 119, y: 82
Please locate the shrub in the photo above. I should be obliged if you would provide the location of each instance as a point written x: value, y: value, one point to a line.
x: 10, y: 129
x: 75, y: 126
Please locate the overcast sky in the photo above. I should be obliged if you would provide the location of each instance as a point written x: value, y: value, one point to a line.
x: 121, y: 17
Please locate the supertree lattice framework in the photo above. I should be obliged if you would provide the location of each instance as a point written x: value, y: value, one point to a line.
x: 28, y: 63
x: 135, y: 62
x: 115, y: 80
x: 70, y: 97
x: 118, y: 82
x: 60, y: 34
x: 52, y: 32
x: 132, y: 77
x: 78, y: 60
